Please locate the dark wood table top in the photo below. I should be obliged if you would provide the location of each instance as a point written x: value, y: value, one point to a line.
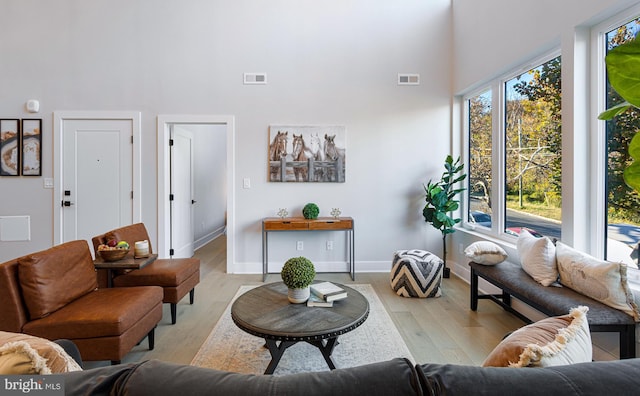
x: 125, y: 263
x: 267, y: 313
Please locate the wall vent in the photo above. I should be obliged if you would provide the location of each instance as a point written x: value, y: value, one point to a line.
x: 255, y: 78
x: 408, y: 79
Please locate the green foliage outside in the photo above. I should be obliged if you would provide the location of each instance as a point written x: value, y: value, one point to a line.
x: 298, y: 272
x: 531, y: 204
x: 533, y: 142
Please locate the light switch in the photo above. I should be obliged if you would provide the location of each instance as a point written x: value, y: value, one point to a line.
x: 246, y: 183
x: 48, y: 182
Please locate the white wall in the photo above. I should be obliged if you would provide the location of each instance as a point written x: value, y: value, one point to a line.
x: 331, y: 62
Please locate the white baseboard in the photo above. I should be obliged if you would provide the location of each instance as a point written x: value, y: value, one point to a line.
x: 200, y: 242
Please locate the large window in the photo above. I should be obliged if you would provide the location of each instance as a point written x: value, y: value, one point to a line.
x: 533, y: 143
x: 526, y: 120
x: 480, y: 147
x: 622, y: 202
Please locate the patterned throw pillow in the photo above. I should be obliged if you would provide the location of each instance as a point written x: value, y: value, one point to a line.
x: 538, y: 258
x: 485, y: 252
x: 599, y: 279
x: 25, y: 354
x: 555, y: 341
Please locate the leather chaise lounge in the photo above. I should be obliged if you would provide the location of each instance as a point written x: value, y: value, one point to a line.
x: 54, y: 294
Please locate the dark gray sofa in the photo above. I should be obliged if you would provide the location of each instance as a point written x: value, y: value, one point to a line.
x: 393, y: 377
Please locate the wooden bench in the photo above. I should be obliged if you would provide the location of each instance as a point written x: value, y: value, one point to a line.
x: 551, y: 301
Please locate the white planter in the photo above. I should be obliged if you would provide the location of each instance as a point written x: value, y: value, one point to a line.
x: 299, y: 296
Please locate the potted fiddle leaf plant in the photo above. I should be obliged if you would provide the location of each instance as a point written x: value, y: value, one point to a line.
x: 623, y: 63
x: 297, y: 274
x: 441, y: 202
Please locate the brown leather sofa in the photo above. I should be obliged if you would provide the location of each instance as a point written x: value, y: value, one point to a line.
x: 54, y: 294
x: 177, y: 277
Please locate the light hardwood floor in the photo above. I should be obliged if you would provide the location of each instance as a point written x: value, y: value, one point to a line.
x: 439, y: 330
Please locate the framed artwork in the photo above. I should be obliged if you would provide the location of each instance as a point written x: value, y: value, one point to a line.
x: 31, y: 147
x: 9, y: 147
x: 314, y: 154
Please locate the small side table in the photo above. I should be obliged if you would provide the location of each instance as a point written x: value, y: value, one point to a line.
x: 274, y: 224
x: 126, y: 263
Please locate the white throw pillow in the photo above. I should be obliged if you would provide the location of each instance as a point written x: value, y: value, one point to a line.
x: 601, y: 280
x: 485, y: 252
x: 538, y: 258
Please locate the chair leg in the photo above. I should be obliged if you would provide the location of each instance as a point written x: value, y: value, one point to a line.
x: 174, y: 308
x: 152, y: 338
x: 192, y: 294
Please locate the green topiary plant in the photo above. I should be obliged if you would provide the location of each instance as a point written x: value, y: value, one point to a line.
x: 310, y: 211
x: 298, y: 272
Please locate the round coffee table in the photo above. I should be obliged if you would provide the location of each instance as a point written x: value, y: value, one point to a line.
x: 267, y: 313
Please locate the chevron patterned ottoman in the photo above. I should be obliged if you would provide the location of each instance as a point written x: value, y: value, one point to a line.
x: 416, y: 273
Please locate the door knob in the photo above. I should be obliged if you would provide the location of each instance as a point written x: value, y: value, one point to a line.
x: 67, y: 203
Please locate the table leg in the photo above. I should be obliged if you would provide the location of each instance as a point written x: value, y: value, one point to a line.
x: 265, y: 254
x: 276, y: 350
x: 326, y: 347
x: 109, y: 278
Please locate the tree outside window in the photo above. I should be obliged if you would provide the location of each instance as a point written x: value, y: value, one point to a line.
x: 533, y: 151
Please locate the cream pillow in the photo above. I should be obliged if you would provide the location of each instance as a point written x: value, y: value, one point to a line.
x: 538, y: 258
x: 554, y: 341
x: 485, y: 252
x: 601, y: 280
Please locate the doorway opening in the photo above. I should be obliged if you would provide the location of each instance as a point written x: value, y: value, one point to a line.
x: 213, y: 214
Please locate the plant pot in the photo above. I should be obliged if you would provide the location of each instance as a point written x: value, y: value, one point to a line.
x: 299, y: 296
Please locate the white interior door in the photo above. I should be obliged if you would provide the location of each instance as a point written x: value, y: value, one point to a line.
x: 97, y: 177
x: 181, y: 162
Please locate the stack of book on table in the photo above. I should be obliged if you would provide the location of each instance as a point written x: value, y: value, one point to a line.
x: 323, y: 294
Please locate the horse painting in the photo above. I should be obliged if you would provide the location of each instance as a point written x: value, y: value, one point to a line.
x: 300, y: 153
x: 277, y: 151
x: 331, y: 152
x: 316, y: 147
x: 336, y: 155
x: 307, y: 153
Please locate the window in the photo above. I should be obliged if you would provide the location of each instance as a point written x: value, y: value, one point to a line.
x: 622, y: 202
x: 480, y: 147
x: 522, y: 112
x: 533, y: 143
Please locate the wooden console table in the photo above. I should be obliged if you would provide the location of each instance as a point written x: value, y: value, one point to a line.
x: 271, y: 224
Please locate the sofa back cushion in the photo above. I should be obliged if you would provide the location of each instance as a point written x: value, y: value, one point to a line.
x: 53, y: 278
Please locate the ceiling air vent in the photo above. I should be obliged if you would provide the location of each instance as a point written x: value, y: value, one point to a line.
x: 408, y: 79
x: 255, y: 78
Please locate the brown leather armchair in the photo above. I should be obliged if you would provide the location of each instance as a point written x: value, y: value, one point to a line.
x: 53, y: 294
x: 177, y: 277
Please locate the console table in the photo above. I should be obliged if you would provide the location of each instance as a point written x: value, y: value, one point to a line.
x: 275, y: 224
